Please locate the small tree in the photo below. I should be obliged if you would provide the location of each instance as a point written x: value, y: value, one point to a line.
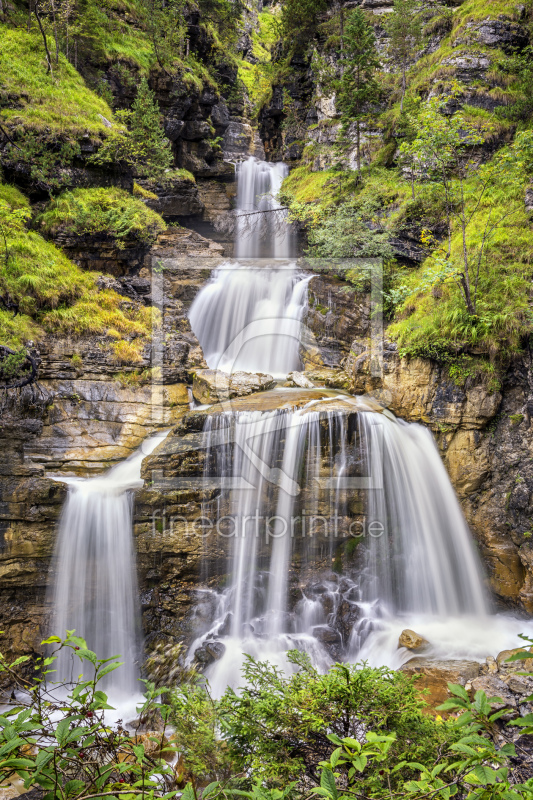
x: 167, y: 29
x: 143, y: 146
x: 357, y: 86
x: 405, y: 31
x: 299, y: 18
x: 442, y: 153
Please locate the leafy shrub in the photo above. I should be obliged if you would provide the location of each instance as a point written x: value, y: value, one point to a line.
x: 279, y: 727
x: 55, y: 737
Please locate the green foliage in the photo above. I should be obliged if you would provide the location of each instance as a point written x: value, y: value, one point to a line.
x: 279, y: 726
x: 299, y: 19
x: 165, y: 24
x: 54, y: 295
x: 109, y: 212
x: 404, y: 28
x: 357, y: 86
x: 195, y: 719
x: 62, y: 105
x: 60, y: 742
x: 143, y: 146
x: 259, y: 77
x: 487, y: 260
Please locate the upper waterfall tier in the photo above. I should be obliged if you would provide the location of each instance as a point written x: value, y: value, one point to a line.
x: 261, y: 228
x: 249, y: 316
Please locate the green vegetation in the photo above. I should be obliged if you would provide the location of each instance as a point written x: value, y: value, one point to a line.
x: 352, y: 732
x: 108, y: 212
x: 451, y: 184
x: 65, y: 747
x: 404, y: 28
x: 52, y: 295
x: 141, y: 144
x: 258, y: 78
x: 60, y: 105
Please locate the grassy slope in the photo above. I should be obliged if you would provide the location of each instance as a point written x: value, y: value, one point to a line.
x: 433, y: 323
x: 56, y: 297
x: 60, y: 104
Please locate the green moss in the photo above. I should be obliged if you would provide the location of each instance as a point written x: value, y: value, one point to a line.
x: 171, y: 175
x: 474, y: 10
x: 62, y: 104
x: 259, y: 78
x: 12, y: 196
x: 435, y: 323
x: 305, y: 186
x: 109, y: 211
x: 56, y: 297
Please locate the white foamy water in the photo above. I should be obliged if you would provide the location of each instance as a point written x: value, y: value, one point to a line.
x: 94, y: 588
x: 248, y: 317
x: 422, y: 571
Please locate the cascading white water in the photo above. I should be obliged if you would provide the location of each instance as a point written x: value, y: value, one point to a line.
x: 94, y: 590
x: 422, y: 561
x: 421, y: 564
x: 248, y: 317
x: 261, y: 222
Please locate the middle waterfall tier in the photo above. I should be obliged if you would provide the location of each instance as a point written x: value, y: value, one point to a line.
x: 317, y: 486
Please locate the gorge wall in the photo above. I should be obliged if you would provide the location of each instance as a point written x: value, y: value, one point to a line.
x: 88, y: 412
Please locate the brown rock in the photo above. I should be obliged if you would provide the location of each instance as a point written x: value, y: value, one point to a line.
x: 411, y: 640
x: 210, y: 385
x: 507, y: 667
x: 436, y: 675
x: 493, y: 686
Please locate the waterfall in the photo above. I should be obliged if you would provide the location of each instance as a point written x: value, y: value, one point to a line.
x: 424, y: 561
x: 248, y: 317
x: 415, y: 554
x: 324, y: 482
x: 261, y: 227
x: 94, y: 590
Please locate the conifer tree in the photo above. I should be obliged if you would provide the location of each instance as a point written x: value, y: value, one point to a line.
x: 143, y: 146
x: 357, y: 86
x: 147, y: 131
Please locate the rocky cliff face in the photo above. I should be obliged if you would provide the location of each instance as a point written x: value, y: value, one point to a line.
x: 86, y: 413
x: 83, y: 419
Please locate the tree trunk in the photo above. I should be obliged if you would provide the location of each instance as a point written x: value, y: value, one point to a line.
x: 55, y: 31
x: 403, y: 84
x: 43, y: 34
x: 358, y: 144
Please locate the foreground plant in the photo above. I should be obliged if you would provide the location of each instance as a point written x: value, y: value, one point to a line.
x: 54, y: 736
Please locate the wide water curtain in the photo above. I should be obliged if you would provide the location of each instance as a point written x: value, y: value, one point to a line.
x: 302, y: 471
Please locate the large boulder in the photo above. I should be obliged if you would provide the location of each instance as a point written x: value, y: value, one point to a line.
x: 412, y: 640
x: 210, y: 385
x: 434, y: 676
